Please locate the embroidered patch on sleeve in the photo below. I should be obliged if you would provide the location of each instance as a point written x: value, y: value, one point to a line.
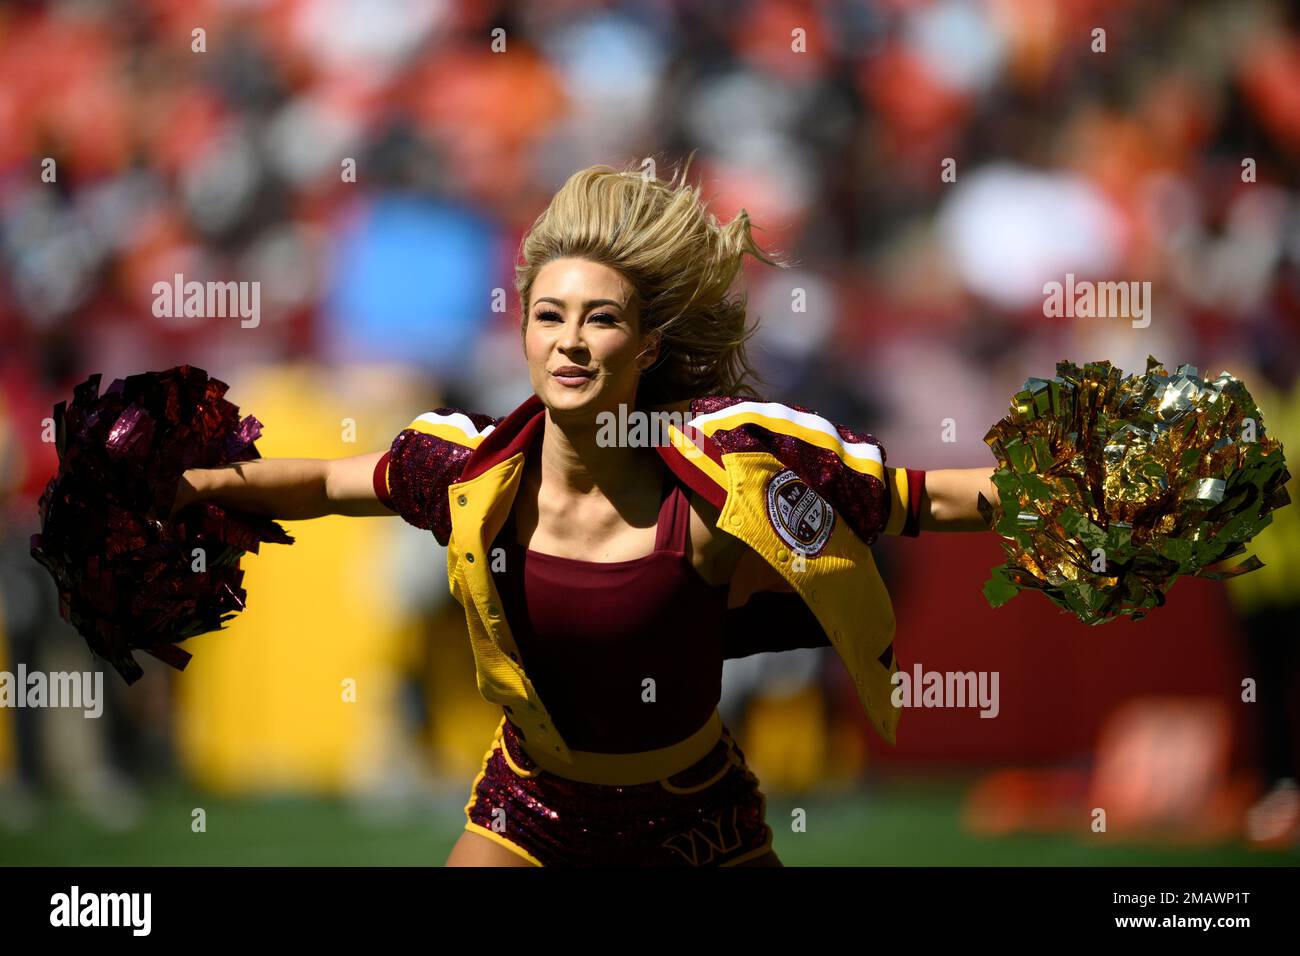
x: 800, y: 516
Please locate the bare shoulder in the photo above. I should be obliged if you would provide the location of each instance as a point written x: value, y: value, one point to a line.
x: 714, y: 554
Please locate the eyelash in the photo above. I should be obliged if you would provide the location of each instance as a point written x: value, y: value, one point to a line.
x: 598, y: 315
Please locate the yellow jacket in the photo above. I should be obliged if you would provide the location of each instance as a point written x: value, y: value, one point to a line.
x: 808, y: 497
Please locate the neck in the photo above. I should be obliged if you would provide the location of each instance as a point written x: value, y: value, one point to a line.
x: 573, y: 462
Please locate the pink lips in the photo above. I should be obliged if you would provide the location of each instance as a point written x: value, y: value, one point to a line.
x: 571, y: 376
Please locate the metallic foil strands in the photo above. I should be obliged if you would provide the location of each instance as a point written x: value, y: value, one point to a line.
x: 1209, y: 490
x: 1113, y: 486
x: 123, y: 569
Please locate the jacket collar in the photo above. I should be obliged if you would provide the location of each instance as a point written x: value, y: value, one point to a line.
x: 513, y: 434
x: 701, y: 469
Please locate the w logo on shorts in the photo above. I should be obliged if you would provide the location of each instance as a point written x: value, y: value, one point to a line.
x: 705, y: 841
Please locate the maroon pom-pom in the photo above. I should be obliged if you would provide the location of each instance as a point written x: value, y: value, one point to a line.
x: 125, y: 572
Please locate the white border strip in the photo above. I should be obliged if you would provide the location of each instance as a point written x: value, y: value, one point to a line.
x: 457, y: 419
x: 779, y: 412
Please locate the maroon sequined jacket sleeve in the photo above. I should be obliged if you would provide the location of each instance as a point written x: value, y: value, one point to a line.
x: 775, y: 428
x: 412, y: 477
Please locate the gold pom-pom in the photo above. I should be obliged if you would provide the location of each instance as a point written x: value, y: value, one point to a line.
x: 1112, y: 487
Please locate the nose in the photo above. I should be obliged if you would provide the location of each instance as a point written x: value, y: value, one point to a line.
x: 570, y: 338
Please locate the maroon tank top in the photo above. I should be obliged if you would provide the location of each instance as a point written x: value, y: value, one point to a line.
x: 590, y: 633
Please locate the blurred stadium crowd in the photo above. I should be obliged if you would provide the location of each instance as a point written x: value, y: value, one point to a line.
x: 1165, y: 148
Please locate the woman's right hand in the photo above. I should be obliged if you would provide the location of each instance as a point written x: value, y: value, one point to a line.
x: 186, y: 492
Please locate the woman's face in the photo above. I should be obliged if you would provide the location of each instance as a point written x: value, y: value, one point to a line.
x: 583, y: 338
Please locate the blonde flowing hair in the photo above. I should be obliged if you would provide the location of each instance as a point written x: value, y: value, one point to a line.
x: 680, y: 261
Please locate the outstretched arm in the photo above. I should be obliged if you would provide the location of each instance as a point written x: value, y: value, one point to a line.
x: 950, y: 499
x: 289, y: 488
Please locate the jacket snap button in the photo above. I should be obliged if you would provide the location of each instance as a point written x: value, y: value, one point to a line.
x: 735, y: 520
x: 469, y: 556
x: 461, y: 499
x: 782, y: 555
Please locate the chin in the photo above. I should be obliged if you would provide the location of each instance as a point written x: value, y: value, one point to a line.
x: 556, y: 396
x: 588, y: 401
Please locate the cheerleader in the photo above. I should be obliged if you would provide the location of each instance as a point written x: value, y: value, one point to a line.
x: 599, y: 581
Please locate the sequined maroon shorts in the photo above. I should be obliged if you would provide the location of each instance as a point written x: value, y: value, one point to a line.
x: 710, y: 814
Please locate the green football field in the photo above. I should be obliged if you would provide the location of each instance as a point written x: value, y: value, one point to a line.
x: 901, y: 824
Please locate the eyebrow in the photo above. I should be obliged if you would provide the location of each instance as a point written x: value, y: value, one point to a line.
x: 589, y: 304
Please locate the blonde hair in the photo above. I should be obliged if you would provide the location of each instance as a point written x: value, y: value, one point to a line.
x: 680, y: 261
